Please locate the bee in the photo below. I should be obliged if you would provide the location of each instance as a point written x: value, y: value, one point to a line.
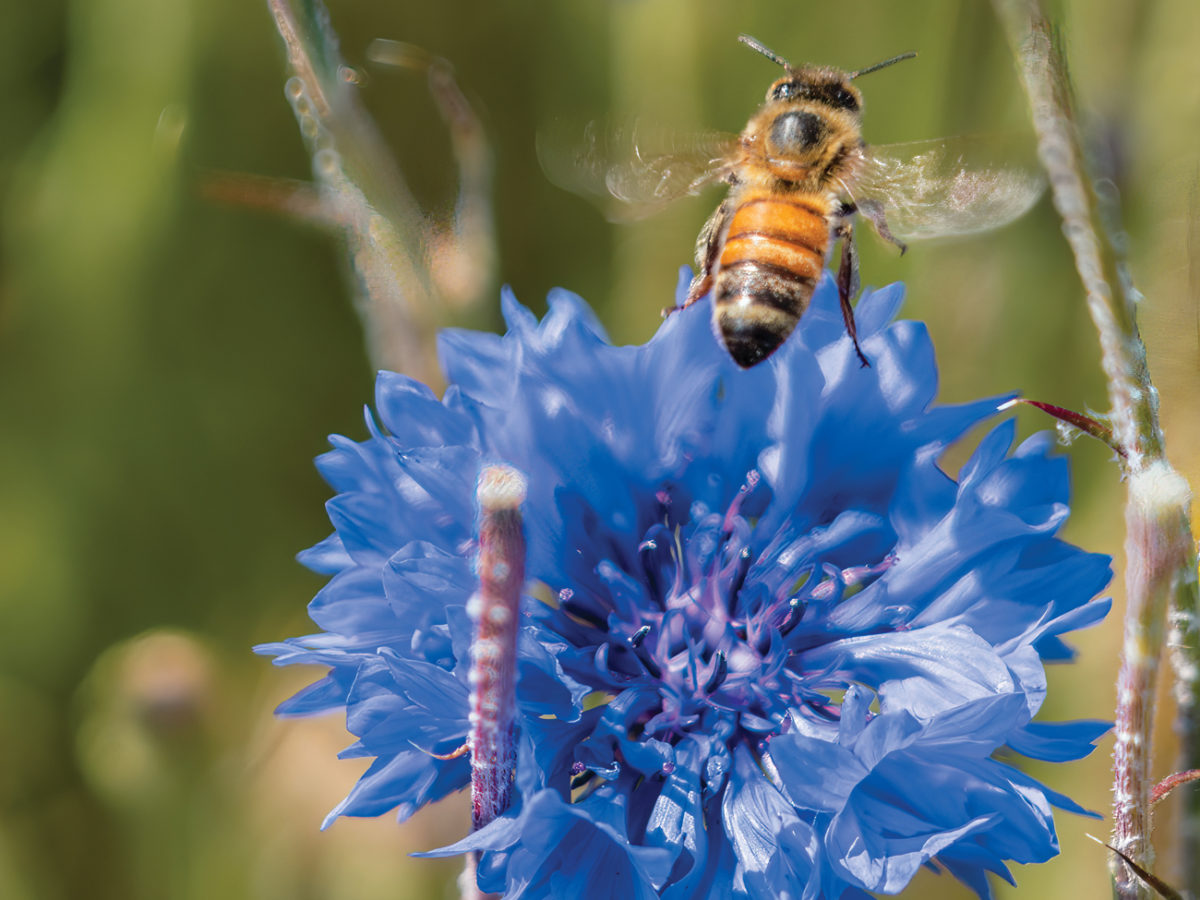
x: 799, y: 174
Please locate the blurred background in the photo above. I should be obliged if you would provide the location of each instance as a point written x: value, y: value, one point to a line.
x: 169, y: 366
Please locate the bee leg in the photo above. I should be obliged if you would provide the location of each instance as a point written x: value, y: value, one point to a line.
x: 847, y: 282
x: 873, y: 211
x: 708, y: 248
x: 701, y: 284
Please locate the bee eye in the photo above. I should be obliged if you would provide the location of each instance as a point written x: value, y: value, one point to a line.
x: 797, y: 130
x: 842, y: 99
x: 784, y: 90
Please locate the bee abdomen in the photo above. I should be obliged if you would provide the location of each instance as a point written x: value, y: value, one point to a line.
x: 773, y: 254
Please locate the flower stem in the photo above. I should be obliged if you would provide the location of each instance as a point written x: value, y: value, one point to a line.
x: 1160, y: 550
x: 495, y: 610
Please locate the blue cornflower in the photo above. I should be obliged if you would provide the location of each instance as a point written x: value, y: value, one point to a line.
x: 770, y: 650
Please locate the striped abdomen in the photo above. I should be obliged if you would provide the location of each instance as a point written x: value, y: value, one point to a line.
x: 773, y: 254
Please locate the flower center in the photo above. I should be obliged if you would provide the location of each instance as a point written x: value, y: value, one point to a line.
x: 707, y: 615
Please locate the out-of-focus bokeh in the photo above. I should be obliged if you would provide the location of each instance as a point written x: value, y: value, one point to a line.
x: 169, y: 367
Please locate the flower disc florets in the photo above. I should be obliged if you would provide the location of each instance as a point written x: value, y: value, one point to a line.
x: 770, y: 649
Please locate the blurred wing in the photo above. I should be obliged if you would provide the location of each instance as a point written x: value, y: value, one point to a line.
x: 642, y: 169
x: 959, y: 185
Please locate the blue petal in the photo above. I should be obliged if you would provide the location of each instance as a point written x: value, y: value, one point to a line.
x: 326, y: 558
x: 875, y: 309
x: 860, y: 853
x: 406, y: 781
x: 321, y: 696
x: 674, y: 815
x: 420, y: 579
x: 816, y: 774
x: 923, y: 671
x: 776, y: 850
x: 569, y: 850
x: 1058, y: 741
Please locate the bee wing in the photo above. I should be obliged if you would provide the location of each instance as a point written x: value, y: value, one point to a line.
x: 633, y: 171
x: 952, y: 186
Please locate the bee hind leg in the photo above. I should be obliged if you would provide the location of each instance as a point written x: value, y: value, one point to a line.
x: 702, y: 283
x: 708, y: 246
x: 847, y: 283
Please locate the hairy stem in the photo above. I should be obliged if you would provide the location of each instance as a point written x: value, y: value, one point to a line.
x: 495, y: 610
x: 1160, y: 550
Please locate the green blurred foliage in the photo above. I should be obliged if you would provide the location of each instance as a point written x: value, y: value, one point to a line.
x: 169, y: 367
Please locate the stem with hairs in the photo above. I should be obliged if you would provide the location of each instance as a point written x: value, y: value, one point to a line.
x: 495, y: 611
x: 1160, y: 550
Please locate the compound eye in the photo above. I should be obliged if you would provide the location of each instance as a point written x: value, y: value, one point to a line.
x: 784, y: 90
x: 843, y: 99
x: 794, y: 131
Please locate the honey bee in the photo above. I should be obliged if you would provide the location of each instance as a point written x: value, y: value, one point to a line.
x: 798, y: 175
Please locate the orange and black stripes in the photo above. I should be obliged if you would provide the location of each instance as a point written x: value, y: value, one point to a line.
x: 771, y: 259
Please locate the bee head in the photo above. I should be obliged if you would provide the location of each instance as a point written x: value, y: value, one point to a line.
x: 829, y: 87
x: 825, y: 86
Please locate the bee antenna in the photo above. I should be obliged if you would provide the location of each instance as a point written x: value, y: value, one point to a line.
x: 880, y: 65
x: 770, y: 54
